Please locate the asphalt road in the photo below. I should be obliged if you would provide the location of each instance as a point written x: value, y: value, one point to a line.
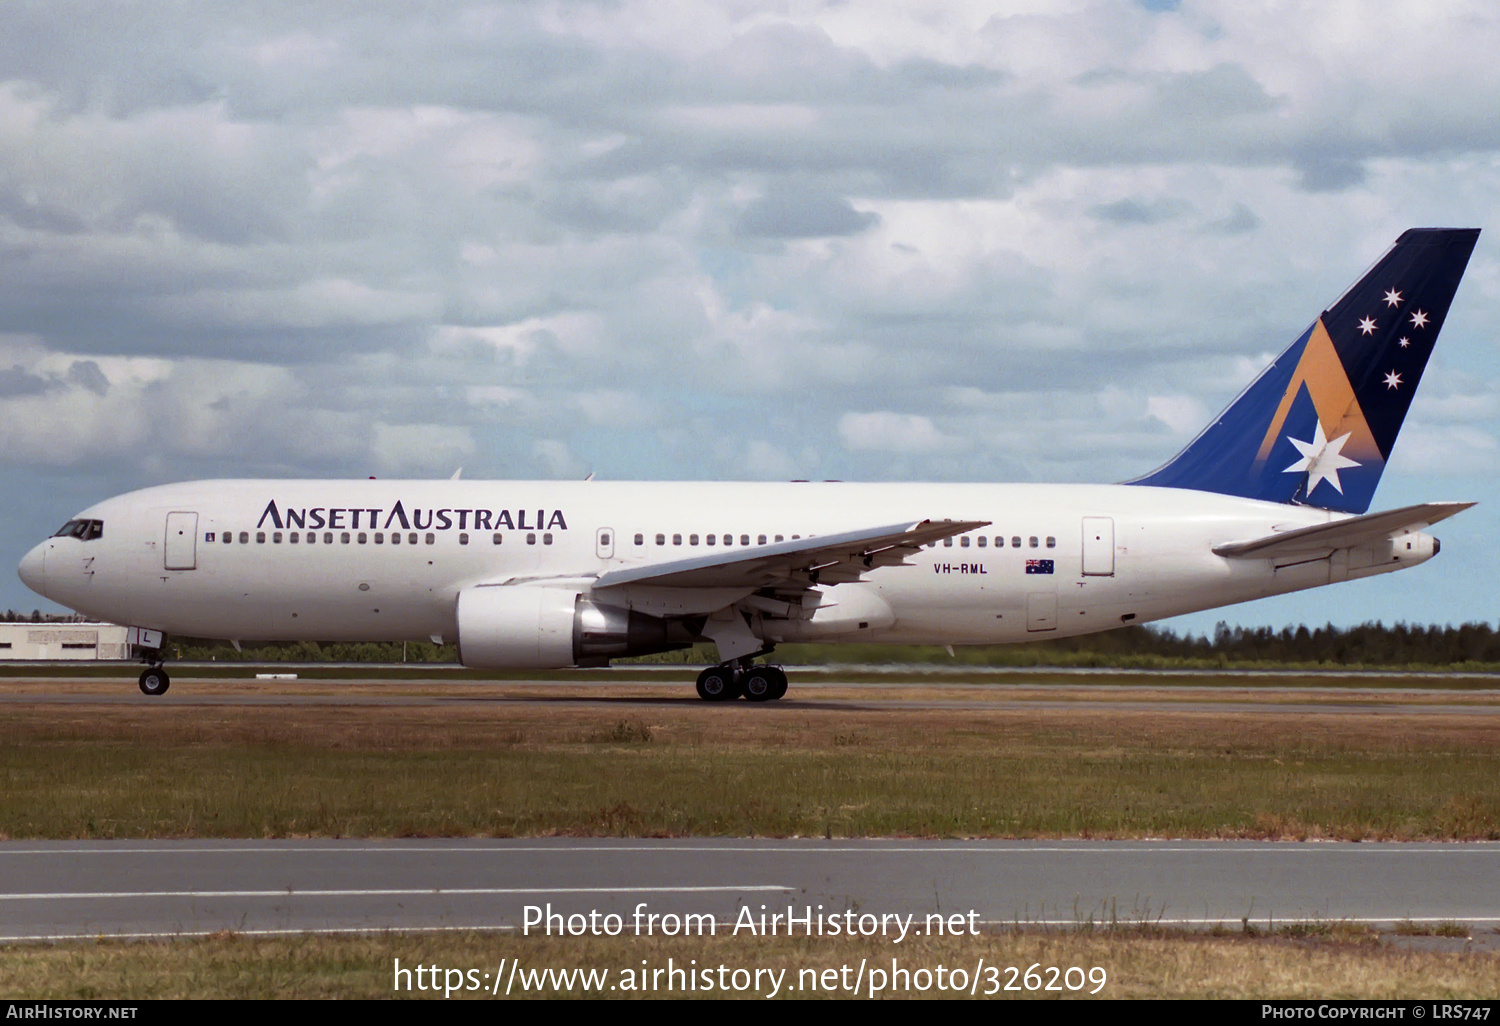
x: 153, y: 888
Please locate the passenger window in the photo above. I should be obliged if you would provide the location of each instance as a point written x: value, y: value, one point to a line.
x: 245, y: 538
x: 963, y: 542
x: 228, y: 537
x: 276, y: 537
x: 796, y: 537
x: 745, y: 539
x: 379, y: 538
x: 395, y: 538
x: 604, y: 539
x: 430, y: 539
x: 1015, y: 541
x: 547, y: 538
x: 640, y: 539
x: 1051, y: 542
x: 260, y: 537
x: 760, y: 539
x: 344, y: 538
x: 711, y: 539
x: 530, y: 538
x: 411, y: 539
x: 676, y: 539
x: 729, y: 539
x: 980, y: 541
x: 692, y: 539
x: 496, y: 538
x: 661, y: 539
x: 779, y: 538
x: 328, y: 537
x: 948, y: 543
x: 463, y: 539
x: 1033, y: 541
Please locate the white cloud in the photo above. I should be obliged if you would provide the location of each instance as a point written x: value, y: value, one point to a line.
x: 893, y: 432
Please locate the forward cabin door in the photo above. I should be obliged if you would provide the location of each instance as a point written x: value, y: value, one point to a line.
x: 1098, y: 546
x: 182, y: 541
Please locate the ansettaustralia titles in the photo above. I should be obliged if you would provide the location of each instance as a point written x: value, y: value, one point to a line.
x: 805, y: 921
x: 379, y: 518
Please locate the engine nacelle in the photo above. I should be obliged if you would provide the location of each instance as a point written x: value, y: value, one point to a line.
x: 522, y: 627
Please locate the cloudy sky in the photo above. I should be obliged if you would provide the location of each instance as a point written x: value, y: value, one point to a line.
x: 1008, y: 241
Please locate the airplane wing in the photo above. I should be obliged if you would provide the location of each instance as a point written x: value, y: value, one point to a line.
x: 1342, y: 534
x: 822, y: 559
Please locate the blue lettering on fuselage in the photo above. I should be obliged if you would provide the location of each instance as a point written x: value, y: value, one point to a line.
x: 418, y: 518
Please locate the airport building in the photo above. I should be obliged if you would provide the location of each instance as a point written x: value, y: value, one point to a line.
x: 62, y: 641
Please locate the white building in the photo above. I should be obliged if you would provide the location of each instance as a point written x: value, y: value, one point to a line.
x: 27, y: 641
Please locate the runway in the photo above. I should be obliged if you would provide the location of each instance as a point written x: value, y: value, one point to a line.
x: 820, y: 693
x: 55, y: 890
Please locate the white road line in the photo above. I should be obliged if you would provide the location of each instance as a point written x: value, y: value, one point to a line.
x: 999, y: 925
x: 388, y: 892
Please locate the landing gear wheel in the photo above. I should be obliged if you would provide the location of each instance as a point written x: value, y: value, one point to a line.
x: 718, y: 684
x: 760, y: 683
x: 154, y: 681
x: 778, y: 688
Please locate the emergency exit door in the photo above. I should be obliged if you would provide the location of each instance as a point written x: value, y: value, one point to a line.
x: 1098, y: 546
x: 182, y: 541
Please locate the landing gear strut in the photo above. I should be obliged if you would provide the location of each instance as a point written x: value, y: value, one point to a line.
x: 726, y: 681
x: 154, y: 679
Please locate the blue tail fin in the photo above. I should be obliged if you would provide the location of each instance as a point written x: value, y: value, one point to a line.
x: 1317, y: 427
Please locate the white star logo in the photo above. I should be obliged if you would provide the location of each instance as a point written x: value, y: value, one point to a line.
x: 1419, y: 319
x: 1367, y: 327
x: 1321, y: 459
x: 1405, y: 342
x: 1393, y: 298
x: 1392, y: 380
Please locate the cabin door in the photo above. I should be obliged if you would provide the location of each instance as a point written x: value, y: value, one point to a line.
x: 182, y: 541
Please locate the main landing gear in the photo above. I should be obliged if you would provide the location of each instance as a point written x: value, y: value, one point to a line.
x: 154, y: 679
x: 727, y: 680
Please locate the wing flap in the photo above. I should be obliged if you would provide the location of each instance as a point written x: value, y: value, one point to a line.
x: 1340, y: 534
x: 828, y: 559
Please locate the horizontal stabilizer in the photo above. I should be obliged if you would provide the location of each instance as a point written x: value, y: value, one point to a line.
x: 827, y: 559
x: 1342, y: 534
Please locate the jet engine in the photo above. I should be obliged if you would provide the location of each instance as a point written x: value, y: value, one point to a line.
x: 521, y: 627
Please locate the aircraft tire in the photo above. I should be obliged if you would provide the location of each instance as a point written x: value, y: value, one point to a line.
x: 778, y: 689
x: 717, y: 684
x: 759, y: 684
x: 154, y: 681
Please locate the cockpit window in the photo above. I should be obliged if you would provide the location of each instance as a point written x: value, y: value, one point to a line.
x: 83, y: 530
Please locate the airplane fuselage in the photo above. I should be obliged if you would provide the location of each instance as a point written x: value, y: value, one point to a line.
x: 387, y: 560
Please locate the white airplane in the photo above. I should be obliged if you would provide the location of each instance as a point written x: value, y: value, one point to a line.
x: 1270, y: 498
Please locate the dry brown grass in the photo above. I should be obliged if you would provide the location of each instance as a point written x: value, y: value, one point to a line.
x: 1152, y: 966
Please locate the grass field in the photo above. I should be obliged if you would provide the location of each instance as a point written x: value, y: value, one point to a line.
x: 1298, y: 963
x: 1170, y: 756
x: 488, y: 760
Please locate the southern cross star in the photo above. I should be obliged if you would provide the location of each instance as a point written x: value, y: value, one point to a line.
x: 1392, y: 380
x: 1366, y: 326
x: 1393, y: 298
x: 1419, y: 319
x: 1321, y: 459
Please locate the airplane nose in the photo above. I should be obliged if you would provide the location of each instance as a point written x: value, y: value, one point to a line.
x: 33, y: 569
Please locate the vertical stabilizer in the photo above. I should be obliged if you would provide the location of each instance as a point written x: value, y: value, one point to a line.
x: 1318, y: 425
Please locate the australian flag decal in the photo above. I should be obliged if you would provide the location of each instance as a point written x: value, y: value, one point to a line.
x: 1039, y: 566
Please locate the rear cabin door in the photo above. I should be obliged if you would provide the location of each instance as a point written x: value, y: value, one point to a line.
x: 182, y: 541
x: 1098, y: 546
